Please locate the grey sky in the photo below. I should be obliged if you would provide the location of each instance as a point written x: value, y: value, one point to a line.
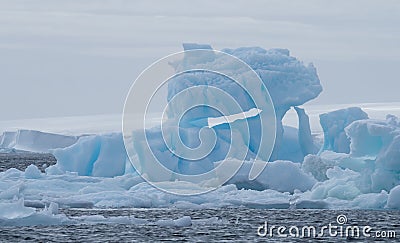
x: 63, y: 58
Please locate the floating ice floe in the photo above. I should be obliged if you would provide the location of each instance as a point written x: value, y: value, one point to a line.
x: 16, y: 214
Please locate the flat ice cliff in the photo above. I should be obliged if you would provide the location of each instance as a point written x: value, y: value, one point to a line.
x: 35, y: 141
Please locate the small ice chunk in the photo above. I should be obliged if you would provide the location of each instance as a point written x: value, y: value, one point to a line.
x: 15, y: 210
x: 32, y: 172
x: 53, y: 208
x: 185, y: 221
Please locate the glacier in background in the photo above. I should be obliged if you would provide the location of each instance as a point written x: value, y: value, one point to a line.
x: 356, y: 165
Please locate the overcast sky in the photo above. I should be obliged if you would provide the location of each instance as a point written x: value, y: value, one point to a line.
x: 66, y: 58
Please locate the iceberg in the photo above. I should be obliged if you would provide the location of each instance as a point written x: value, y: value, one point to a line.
x: 35, y: 141
x: 333, y: 125
x: 370, y: 169
x: 282, y: 184
x: 278, y: 71
x: 197, y: 97
x: 358, y: 156
x: 288, y: 81
x: 378, y: 141
x: 357, y: 166
x: 95, y: 155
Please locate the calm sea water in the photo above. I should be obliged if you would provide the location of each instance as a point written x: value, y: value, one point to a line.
x: 234, y: 224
